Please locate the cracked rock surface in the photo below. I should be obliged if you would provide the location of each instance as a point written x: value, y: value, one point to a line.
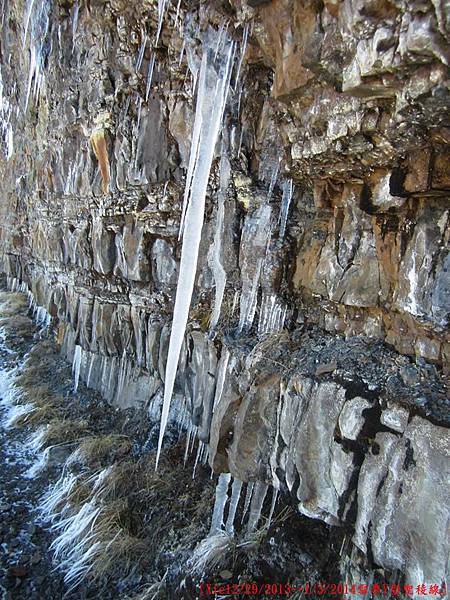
x: 325, y: 374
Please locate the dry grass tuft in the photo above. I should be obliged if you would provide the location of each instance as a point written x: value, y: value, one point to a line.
x: 136, y: 506
x: 154, y: 591
x: 27, y: 379
x: 19, y: 325
x: 63, y: 431
x: 40, y: 396
x: 99, y: 451
x: 121, y: 550
x: 212, y: 553
x: 41, y: 415
x: 12, y: 303
x: 44, y: 348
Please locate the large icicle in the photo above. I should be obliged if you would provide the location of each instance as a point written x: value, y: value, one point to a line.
x: 215, y: 89
x: 235, y: 496
x: 259, y: 494
x: 248, y: 497
x: 220, y: 502
x: 215, y: 261
x: 195, y: 143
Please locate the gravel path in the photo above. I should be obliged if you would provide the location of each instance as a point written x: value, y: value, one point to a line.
x: 26, y: 568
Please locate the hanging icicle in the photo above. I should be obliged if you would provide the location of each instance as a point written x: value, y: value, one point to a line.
x: 259, y: 494
x: 220, y: 502
x: 161, y: 10
x: 248, y: 497
x: 212, y: 95
x: 235, y: 496
x: 243, y: 50
x: 76, y: 366
x: 151, y: 67
x: 200, y: 448
x: 288, y: 191
x: 215, y: 258
x: 255, y: 238
x: 76, y: 11
x: 272, y: 315
x: 140, y: 56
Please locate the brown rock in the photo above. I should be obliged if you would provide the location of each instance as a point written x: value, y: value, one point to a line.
x: 17, y: 571
x: 326, y: 368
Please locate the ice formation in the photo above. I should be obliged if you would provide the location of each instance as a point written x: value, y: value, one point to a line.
x: 37, y: 23
x: 140, y: 56
x: 248, y: 497
x: 259, y: 494
x: 235, y: 496
x: 288, y: 191
x: 272, y: 315
x: 272, y: 506
x: 255, y: 237
x: 216, y: 254
x: 211, y: 100
x: 6, y: 131
x: 220, y: 503
x: 76, y: 366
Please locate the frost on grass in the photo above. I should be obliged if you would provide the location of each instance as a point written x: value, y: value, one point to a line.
x: 107, y: 520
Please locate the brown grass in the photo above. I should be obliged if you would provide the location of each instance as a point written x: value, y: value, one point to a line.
x: 40, y: 416
x: 12, y: 303
x: 122, y: 550
x: 40, y: 395
x: 41, y: 349
x: 141, y: 506
x: 20, y: 325
x: 99, y: 451
x: 62, y: 431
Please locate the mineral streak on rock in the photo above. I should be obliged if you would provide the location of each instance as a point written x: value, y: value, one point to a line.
x: 99, y: 145
x: 322, y: 374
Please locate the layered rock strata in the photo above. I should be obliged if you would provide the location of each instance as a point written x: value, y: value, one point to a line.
x: 324, y: 373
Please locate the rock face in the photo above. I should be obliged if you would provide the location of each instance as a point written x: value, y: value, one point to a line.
x: 323, y: 375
